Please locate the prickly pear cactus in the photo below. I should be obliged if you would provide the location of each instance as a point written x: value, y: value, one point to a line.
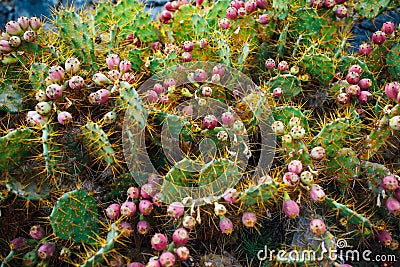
x: 74, y: 217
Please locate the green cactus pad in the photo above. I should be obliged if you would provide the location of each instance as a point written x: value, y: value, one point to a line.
x: 345, y: 166
x: 296, y: 150
x: 334, y: 135
x: 96, y: 140
x: 217, y: 172
x: 217, y: 10
x: 14, y: 147
x: 50, y: 149
x: 131, y: 101
x: 75, y: 34
x: 320, y: 66
x: 102, y: 15
x: 375, y: 172
x: 371, y: 8
x: 393, y: 61
x: 259, y: 193
x: 37, y: 75
x: 281, y: 8
x: 375, y: 140
x: 11, y: 100
x: 134, y: 57
x: 290, y: 85
x: 184, y: 30
x: 306, y: 21
x: 282, y: 40
x: 75, y: 217
x: 224, y: 50
x: 243, y: 56
x: 143, y: 27
x: 349, y: 214
x: 30, y: 191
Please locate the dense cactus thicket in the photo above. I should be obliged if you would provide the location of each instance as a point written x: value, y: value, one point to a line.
x: 200, y: 138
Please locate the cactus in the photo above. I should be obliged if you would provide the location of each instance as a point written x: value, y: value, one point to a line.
x: 97, y: 142
x: 370, y: 8
x: 290, y: 85
x: 344, y: 166
x: 30, y: 191
x: 37, y: 75
x: 255, y: 195
x: 14, y: 147
x: 319, y: 65
x: 393, y: 62
x: 281, y: 8
x: 74, y: 216
x: 134, y: 56
x: 11, y: 100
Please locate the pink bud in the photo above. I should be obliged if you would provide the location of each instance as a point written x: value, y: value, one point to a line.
x: 329, y: 3
x: 378, y: 37
x: 56, y: 73
x: 224, y: 23
x: 113, y: 211
x: 18, y: 243
x: 261, y: 4
x: 241, y: 12
x: 250, y: 6
x: 64, y: 117
x: 231, y: 195
x: 15, y: 41
x: 54, y: 91
x: 13, y: 28
x: 200, y: 75
x: 277, y: 92
x: 136, y: 264
x: 159, y: 242
x: 45, y: 251
x: 5, y: 47
x: 354, y: 90
x: 231, y: 13
x: 295, y: 166
x: 36, y: 232
x: 352, y: 77
x: 364, y: 49
x: 125, y: 66
x: 165, y: 16
x: 249, y: 219
x: 125, y: 226
x: 113, y: 61
x: 291, y: 179
x: 355, y: 68
x: 388, y: 27
x: 264, y: 19
x: 100, y: 79
x: 175, y: 209
x: 317, y: 3
x: 227, y: 118
x: 283, y: 66
x: 317, y: 193
x: 392, y: 90
x: 393, y: 206
x: 145, y: 207
x: 151, y: 96
x: 186, y: 57
x: 147, y: 190
x: 237, y: 4
x: 341, y: 12
x: 365, y: 83
x: 363, y: 97
x: 203, y: 43
x: 30, y: 36
x: 343, y: 98
x: 167, y: 259
x: 317, y: 227
x: 35, y: 23
x: 23, y: 22
x: 291, y: 209
x: 143, y: 227
x: 226, y: 226
x: 133, y: 192
x: 99, y: 97
x: 169, y: 82
x: 390, y: 183
x: 188, y: 46
x: 219, y: 69
x: 318, y: 153
x: 76, y: 82
x: 72, y: 65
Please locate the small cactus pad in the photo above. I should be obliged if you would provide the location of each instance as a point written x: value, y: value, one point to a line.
x: 10, y: 98
x: 97, y: 142
x: 75, y: 216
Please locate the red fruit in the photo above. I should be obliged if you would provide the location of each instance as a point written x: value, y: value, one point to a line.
x: 354, y: 90
x: 329, y: 3
x: 45, y: 251
x: 186, y: 57
x: 125, y: 226
x: 317, y: 227
x: 363, y: 97
x: 210, y: 122
x: 200, y: 75
x: 341, y: 12
x: 392, y: 90
x: 364, y: 49
x: 64, y: 117
x: 136, y: 264
x: 378, y: 37
x: 128, y: 209
x: 171, y: 7
x: 283, y: 66
x: 167, y: 259
x: 113, y: 61
x: 237, y: 4
x: 355, y: 68
x: 18, y: 243
x: 36, y: 232
x: 153, y: 263
x: 241, y: 12
x: 388, y: 27
x: 224, y: 23
x: 231, y: 195
x: 261, y: 4
x: 76, y: 82
x: 352, y: 77
x: 143, y: 227
x: 250, y: 6
x: 384, y: 238
x: 180, y: 236
x: 317, y: 3
x: 231, y: 13
x: 54, y: 91
x: 343, y: 98
x: 145, y: 207
x: 165, y: 16
x: 390, y: 183
x: 133, y: 192
x: 219, y: 69
x: 203, y: 43
x: 176, y: 209
x: 159, y: 242
x: 277, y: 92
x: 264, y: 19
x: 188, y: 46
x: 147, y: 190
